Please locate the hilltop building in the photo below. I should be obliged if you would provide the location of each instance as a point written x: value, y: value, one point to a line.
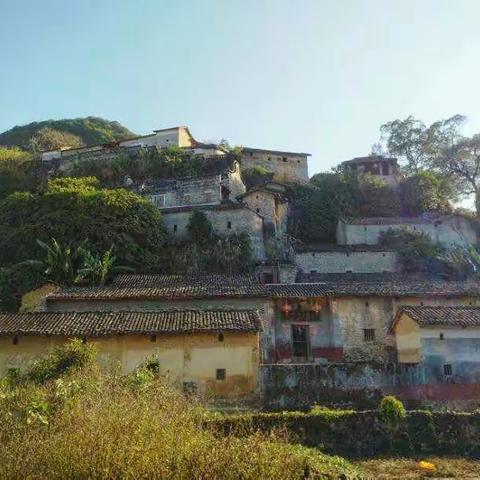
x: 287, y: 167
x: 384, y: 168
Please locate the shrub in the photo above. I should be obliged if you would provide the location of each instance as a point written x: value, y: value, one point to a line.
x: 199, y: 227
x: 73, y: 210
x: 392, y: 410
x: 70, y: 356
x: 256, y: 176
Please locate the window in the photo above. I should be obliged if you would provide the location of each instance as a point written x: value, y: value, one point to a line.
x: 15, y: 340
x: 208, y: 197
x: 385, y: 169
x: 441, y: 336
x: 258, y: 210
x: 221, y: 336
x: 447, y: 369
x: 301, y: 341
x: 313, y: 271
x: 364, y: 229
x: 221, y: 374
x: 348, y: 271
x: 153, y: 338
x: 229, y: 225
x: 284, y: 159
x: 158, y: 200
x: 175, y: 228
x: 369, y: 334
x: 269, y: 158
x: 267, y: 277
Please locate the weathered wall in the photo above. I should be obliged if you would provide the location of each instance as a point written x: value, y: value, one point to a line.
x: 356, y: 314
x: 262, y: 305
x: 449, y: 231
x: 183, y: 358
x: 325, y: 338
x: 362, y: 385
x: 341, y: 262
x: 225, y: 222
x: 287, y: 168
x: 407, y: 340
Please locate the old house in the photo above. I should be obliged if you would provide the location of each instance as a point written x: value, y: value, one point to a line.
x: 446, y: 230
x: 287, y: 167
x: 212, y: 353
x: 379, y: 166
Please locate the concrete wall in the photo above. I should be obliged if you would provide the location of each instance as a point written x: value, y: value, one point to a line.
x: 341, y: 262
x: 449, y: 231
x: 183, y: 358
x: 287, y: 168
x: 240, y: 220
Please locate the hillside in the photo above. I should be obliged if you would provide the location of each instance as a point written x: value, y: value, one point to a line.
x: 85, y: 131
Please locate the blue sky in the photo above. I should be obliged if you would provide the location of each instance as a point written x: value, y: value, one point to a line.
x: 316, y: 76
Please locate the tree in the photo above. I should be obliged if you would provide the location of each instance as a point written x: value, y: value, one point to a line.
x: 17, y: 171
x: 75, y: 212
x: 426, y: 191
x: 199, y: 227
x: 415, y: 144
x: 51, y: 139
x: 461, y: 161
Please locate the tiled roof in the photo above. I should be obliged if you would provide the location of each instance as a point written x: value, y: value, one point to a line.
x: 450, y: 316
x: 304, y: 277
x: 410, y: 288
x: 333, y: 247
x: 160, y: 280
x: 226, y: 205
x: 109, y: 323
x: 151, y: 287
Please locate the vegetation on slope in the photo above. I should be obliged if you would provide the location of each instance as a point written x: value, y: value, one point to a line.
x: 76, y: 132
x: 63, y: 418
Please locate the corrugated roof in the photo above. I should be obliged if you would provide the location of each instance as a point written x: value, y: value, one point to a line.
x: 462, y: 316
x: 109, y: 323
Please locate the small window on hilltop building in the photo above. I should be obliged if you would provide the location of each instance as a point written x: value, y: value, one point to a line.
x: 447, y: 370
x: 175, y: 228
x: 15, y: 340
x: 258, y: 210
x: 369, y: 334
x: 285, y: 159
x: 441, y: 336
x: 221, y: 336
x: 301, y: 342
x: 229, y: 225
x: 153, y: 338
x: 221, y: 374
x: 158, y: 200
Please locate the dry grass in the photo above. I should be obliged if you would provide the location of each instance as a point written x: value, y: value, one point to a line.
x: 87, y: 424
x: 409, y: 469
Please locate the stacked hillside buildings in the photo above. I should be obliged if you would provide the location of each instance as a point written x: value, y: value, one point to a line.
x: 327, y: 323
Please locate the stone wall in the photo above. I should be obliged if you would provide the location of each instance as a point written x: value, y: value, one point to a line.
x: 287, y: 168
x: 357, y: 314
x: 448, y: 231
x: 225, y: 222
x: 347, y: 261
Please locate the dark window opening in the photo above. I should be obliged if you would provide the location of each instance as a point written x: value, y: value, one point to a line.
x: 284, y: 159
x: 366, y: 304
x: 84, y: 340
x: 313, y: 271
x: 301, y: 341
x: 221, y: 337
x: 348, y: 271
x: 221, y: 374
x: 251, y: 154
x: 365, y: 229
x: 447, y: 369
x: 175, y: 228
x: 15, y: 340
x: 385, y: 169
x: 225, y: 192
x: 441, y: 336
x: 369, y: 334
x: 153, y: 338
x: 267, y: 277
x: 229, y: 225
x: 258, y: 210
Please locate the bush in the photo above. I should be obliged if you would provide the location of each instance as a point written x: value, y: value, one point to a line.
x: 392, y: 410
x: 199, y: 227
x: 70, y: 356
x: 88, y: 424
x: 256, y: 176
x: 74, y: 210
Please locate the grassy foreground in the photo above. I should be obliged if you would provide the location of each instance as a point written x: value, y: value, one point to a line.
x: 64, y: 419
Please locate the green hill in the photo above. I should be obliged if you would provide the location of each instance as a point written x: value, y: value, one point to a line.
x: 82, y: 131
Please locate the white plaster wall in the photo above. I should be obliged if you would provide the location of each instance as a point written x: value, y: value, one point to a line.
x: 341, y: 262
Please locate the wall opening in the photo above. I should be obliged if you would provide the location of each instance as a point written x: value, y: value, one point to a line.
x: 369, y: 334
x: 301, y: 342
x: 221, y: 374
